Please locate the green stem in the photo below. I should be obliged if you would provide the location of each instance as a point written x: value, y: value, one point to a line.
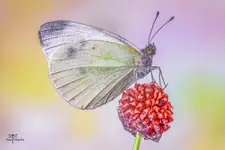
x: 137, y: 142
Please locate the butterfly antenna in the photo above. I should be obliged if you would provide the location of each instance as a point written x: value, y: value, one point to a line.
x: 157, y: 15
x: 161, y: 28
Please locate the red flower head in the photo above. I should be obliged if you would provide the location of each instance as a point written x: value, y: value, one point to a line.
x: 145, y: 109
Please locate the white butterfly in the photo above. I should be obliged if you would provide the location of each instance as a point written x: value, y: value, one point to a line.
x: 89, y: 66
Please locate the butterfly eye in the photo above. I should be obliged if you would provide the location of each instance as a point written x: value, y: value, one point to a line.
x: 150, y: 49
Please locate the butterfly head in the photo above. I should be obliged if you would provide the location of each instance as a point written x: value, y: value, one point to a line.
x: 150, y: 49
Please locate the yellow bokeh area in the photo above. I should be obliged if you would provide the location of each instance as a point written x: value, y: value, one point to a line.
x: 23, y: 62
x: 206, y: 98
x: 21, y: 9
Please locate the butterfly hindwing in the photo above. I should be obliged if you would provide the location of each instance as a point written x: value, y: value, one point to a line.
x: 91, y: 73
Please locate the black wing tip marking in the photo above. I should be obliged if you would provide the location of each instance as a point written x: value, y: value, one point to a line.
x: 54, y: 22
x: 49, y: 28
x: 40, y: 38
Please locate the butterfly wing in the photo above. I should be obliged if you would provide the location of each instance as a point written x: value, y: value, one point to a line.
x: 92, y: 73
x: 56, y: 33
x: 89, y: 71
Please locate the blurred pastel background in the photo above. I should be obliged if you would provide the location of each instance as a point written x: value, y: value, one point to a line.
x: 190, y: 51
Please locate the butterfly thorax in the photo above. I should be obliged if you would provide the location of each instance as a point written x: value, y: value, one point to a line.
x: 145, y: 63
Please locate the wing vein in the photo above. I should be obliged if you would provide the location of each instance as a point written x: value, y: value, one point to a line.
x: 106, y: 87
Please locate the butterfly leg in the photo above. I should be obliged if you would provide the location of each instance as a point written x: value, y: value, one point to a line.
x: 161, y: 78
x: 153, y: 79
x: 135, y: 76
